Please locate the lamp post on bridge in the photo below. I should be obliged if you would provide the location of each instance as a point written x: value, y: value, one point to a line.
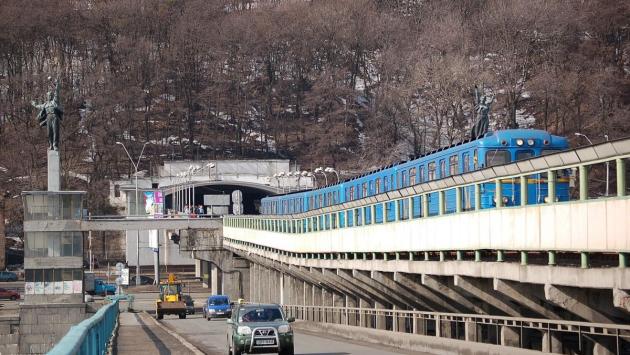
x: 135, y: 165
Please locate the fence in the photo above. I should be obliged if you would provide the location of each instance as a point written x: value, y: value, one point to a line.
x: 90, y: 336
x: 531, y: 333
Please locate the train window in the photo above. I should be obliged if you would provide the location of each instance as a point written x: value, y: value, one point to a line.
x: 385, y: 184
x: 524, y: 154
x: 330, y: 197
x: 431, y: 171
x: 497, y: 157
x: 378, y: 186
x: 351, y: 193
x: 412, y: 176
x: 321, y: 200
x: 466, y: 162
x: 475, y: 160
x: 453, y: 164
x: 403, y: 180
x: 371, y: 188
x: 365, y: 189
x: 422, y: 174
x: 442, y: 169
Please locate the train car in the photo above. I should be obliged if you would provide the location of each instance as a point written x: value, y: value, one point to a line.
x: 494, y: 148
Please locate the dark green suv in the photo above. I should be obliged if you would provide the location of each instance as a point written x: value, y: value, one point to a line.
x: 259, y: 329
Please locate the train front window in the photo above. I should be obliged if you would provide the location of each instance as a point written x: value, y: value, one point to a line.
x: 497, y: 157
x: 524, y: 154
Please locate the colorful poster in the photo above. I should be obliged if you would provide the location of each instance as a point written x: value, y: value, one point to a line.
x: 29, y: 288
x: 39, y: 288
x: 149, y: 200
x: 48, y: 288
x: 67, y: 287
x: 159, y: 197
x: 77, y: 286
x: 58, y: 288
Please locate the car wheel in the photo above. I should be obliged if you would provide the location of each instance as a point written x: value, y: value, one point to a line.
x: 182, y: 316
x: 160, y: 315
x: 235, y: 350
x: 288, y: 351
x: 209, y: 318
x: 13, y: 298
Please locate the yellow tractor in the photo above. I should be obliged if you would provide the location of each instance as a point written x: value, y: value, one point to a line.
x: 170, y: 301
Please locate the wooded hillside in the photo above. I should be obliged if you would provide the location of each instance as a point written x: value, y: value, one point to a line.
x: 345, y: 83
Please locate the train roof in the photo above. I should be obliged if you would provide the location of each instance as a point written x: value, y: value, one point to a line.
x: 510, y: 132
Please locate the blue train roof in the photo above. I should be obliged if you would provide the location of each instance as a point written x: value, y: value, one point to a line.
x: 493, y: 139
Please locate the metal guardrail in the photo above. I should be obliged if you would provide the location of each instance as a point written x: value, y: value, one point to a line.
x: 471, y: 327
x: 92, y: 335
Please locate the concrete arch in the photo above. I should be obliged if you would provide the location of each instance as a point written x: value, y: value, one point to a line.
x: 252, y: 192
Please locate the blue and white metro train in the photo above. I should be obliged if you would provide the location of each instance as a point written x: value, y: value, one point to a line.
x: 494, y: 148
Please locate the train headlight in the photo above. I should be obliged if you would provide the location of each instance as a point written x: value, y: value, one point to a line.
x: 519, y: 142
x: 530, y: 142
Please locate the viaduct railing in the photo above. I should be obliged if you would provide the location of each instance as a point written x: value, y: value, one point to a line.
x: 536, y: 334
x: 91, y: 336
x: 580, y: 228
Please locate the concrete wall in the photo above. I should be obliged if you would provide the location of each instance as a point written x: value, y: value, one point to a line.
x: 9, y: 334
x: 590, y: 226
x: 43, y: 325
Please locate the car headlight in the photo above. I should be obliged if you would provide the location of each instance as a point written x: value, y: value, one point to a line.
x: 519, y: 142
x: 211, y: 310
x: 285, y: 328
x: 244, y: 330
x: 530, y: 142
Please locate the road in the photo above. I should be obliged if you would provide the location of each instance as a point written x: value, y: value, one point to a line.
x: 210, y: 337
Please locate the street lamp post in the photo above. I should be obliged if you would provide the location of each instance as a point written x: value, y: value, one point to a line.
x: 135, y: 165
x: 607, y: 169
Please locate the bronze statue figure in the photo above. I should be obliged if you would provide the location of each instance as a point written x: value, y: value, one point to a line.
x: 482, y: 106
x: 50, y: 115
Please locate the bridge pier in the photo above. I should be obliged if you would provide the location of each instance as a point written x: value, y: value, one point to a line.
x: 470, y: 330
x: 509, y: 336
x: 551, y: 343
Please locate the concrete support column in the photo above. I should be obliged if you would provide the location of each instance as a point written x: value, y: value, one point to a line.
x: 419, y: 325
x: 365, y: 321
x: 523, y: 185
x: 381, y: 319
x: 470, y: 330
x: 498, y: 193
x: 215, y: 280
x: 458, y: 199
x: 425, y: 205
x: 551, y: 186
x: 551, y: 343
x: 441, y: 203
x: 396, y: 210
x: 282, y: 293
x: 399, y: 321
x: 477, y: 197
x: 351, y: 316
x: 621, y: 177
x: 327, y: 298
x: 317, y: 301
x: 442, y: 327
x: 197, y: 268
x: 509, y: 337
x: 338, y: 301
x: 583, y: 170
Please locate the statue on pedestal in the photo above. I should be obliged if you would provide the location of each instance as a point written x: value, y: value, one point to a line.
x: 482, y: 106
x: 50, y: 115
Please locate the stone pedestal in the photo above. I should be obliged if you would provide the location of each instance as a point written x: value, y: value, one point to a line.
x: 54, y: 171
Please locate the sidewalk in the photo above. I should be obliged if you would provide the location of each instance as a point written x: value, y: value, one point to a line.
x: 138, y: 333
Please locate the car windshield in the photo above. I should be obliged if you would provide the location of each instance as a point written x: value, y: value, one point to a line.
x: 260, y: 315
x: 217, y: 301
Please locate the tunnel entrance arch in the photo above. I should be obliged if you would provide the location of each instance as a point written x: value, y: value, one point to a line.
x: 252, y: 193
